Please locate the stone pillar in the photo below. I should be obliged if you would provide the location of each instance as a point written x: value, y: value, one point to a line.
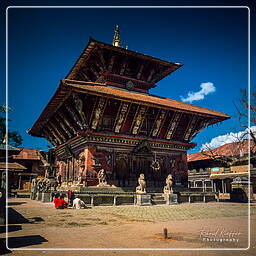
x: 143, y: 199
x: 114, y: 203
x: 222, y: 183
x: 92, y: 199
x: 203, y: 184
x: 39, y: 196
x: 19, y: 182
x: 46, y: 197
x: 171, y: 199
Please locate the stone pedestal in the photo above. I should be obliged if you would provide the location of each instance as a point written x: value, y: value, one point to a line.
x: 46, y: 197
x: 39, y: 196
x: 143, y: 199
x: 171, y: 198
x: 33, y: 196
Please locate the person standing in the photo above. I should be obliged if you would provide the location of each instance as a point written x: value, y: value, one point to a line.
x: 71, y: 197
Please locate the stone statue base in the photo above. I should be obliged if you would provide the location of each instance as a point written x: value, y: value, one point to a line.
x: 167, y: 190
x: 103, y: 185
x: 33, y: 196
x: 171, y: 198
x: 46, y: 197
x: 39, y: 196
x: 143, y: 200
x: 139, y: 191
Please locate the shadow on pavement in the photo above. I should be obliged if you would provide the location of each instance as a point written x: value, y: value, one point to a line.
x: 3, y: 248
x: 15, y: 217
x: 15, y: 203
x: 36, y: 219
x: 11, y: 228
x: 23, y: 241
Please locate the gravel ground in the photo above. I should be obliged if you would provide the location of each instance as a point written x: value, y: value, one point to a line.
x: 37, y: 226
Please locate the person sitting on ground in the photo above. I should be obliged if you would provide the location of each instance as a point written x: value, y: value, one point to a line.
x: 62, y: 203
x: 56, y: 200
x: 78, y: 203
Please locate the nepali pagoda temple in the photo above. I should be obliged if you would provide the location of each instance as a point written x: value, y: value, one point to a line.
x: 102, y: 115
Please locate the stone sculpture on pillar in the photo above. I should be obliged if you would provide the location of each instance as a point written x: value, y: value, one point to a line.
x: 33, y: 189
x: 169, y: 183
x: 169, y: 196
x: 142, y: 198
x: 141, y: 189
x: 102, y: 177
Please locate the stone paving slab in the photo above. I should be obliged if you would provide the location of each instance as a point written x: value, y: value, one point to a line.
x: 124, y: 226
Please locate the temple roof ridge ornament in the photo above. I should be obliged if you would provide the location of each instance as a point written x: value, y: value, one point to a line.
x: 116, y: 40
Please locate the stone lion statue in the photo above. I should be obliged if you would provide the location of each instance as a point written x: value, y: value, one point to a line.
x: 169, y: 184
x: 102, y: 177
x: 142, y: 184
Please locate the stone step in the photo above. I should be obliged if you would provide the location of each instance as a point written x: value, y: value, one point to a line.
x: 157, y: 198
x: 158, y: 201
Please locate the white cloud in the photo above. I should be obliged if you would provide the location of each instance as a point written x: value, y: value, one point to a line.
x: 206, y: 88
x: 227, y: 138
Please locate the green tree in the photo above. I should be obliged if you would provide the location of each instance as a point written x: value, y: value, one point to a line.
x: 14, y: 138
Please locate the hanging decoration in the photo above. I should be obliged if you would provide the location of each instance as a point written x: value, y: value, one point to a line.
x: 155, y: 165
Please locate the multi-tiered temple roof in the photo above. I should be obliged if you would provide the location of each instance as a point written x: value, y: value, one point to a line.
x: 107, y: 92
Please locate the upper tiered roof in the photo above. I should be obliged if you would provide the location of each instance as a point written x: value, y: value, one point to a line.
x: 112, y: 72
x: 101, y: 62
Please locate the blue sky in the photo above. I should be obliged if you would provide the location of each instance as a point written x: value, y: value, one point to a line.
x: 211, y: 43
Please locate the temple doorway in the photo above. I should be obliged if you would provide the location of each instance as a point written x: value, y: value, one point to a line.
x: 121, y: 172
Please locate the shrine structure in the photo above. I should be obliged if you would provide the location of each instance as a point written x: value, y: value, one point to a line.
x: 103, y: 116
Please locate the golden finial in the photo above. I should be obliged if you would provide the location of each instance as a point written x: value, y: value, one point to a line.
x: 116, y: 40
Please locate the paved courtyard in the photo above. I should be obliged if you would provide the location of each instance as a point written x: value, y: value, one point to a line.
x: 35, y: 225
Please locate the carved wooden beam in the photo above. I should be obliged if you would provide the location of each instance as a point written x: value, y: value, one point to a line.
x: 140, y: 71
x: 159, y: 122
x: 203, y: 124
x: 54, y: 135
x: 74, y: 116
x: 94, y: 72
x: 83, y: 75
x: 57, y: 130
x: 121, y: 116
x: 80, y: 110
x: 98, y: 112
x: 139, y: 119
x: 111, y: 63
x: 49, y: 138
x: 123, y: 67
x: 61, y: 123
x: 101, y: 57
x: 65, y: 119
x: 190, y: 127
x: 150, y: 74
x: 158, y: 74
x: 173, y: 124
x: 98, y: 65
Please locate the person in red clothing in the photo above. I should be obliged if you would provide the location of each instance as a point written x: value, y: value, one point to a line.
x: 56, y: 200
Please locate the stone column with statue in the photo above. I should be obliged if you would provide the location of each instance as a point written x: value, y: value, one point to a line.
x: 142, y: 198
x: 169, y: 196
